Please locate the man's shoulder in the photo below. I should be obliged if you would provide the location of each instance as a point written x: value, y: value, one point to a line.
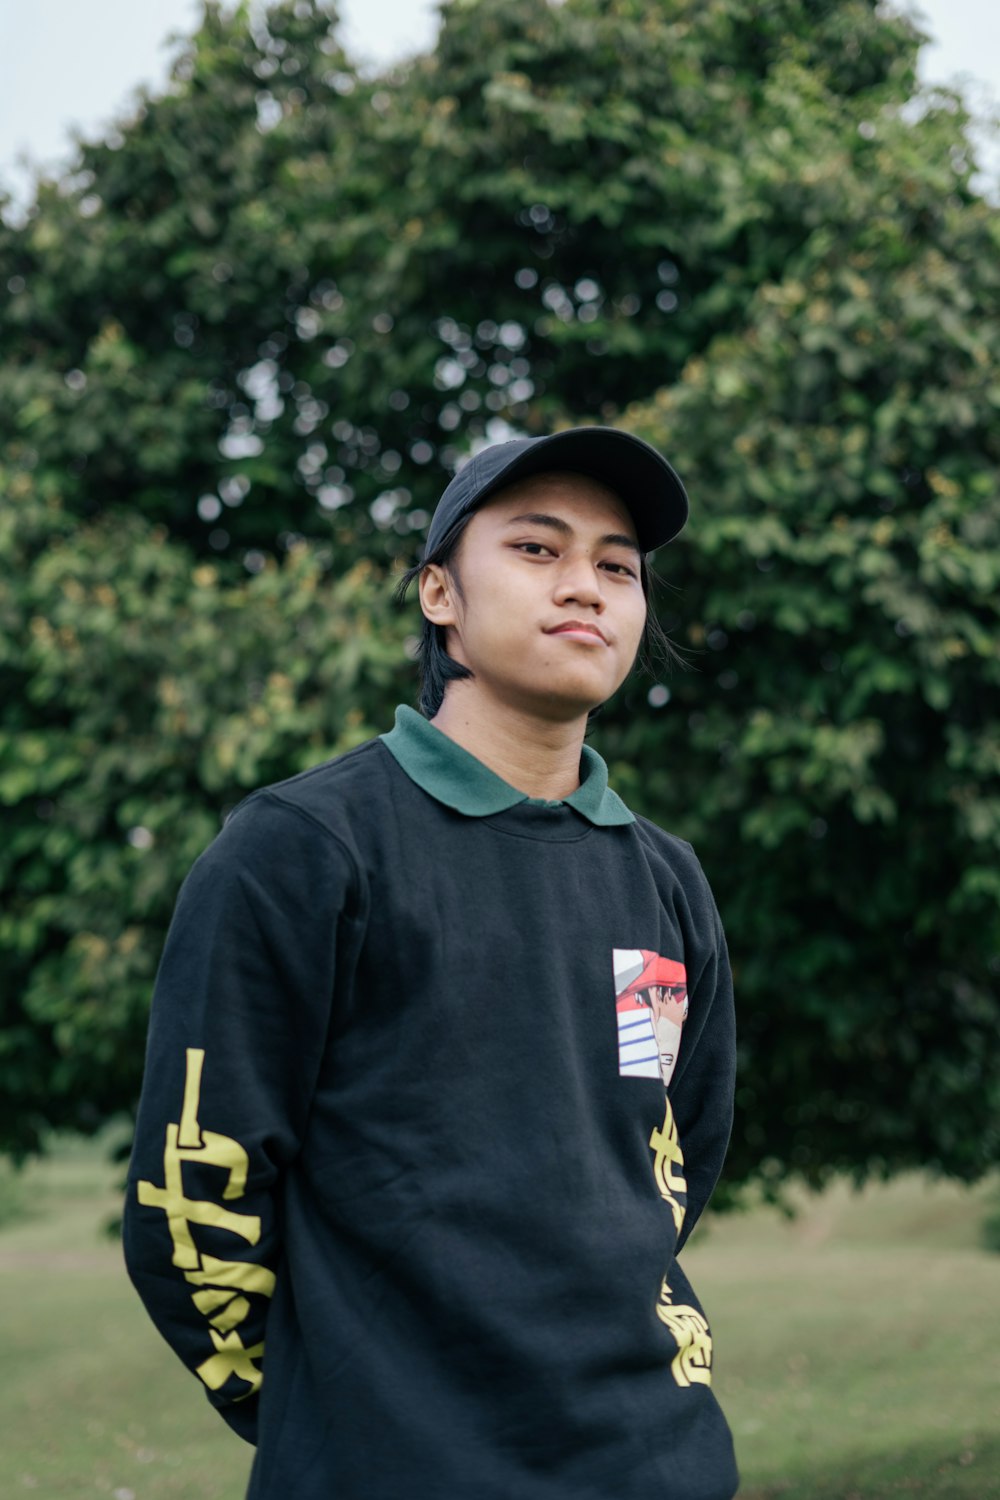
x: 340, y: 776
x: 662, y: 839
x: 332, y: 795
x: 678, y: 853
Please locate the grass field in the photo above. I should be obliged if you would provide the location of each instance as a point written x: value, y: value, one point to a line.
x: 857, y: 1350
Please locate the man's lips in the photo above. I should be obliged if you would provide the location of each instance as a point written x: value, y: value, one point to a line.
x: 579, y: 629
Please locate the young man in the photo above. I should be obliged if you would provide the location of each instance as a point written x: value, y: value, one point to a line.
x: 441, y: 1056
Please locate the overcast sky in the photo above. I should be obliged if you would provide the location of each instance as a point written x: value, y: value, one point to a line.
x: 76, y: 62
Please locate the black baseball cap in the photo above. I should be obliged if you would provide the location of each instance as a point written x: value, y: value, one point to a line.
x: 633, y: 468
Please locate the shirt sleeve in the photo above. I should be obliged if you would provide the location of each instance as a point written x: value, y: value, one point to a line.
x: 241, y: 1011
x: 702, y: 1093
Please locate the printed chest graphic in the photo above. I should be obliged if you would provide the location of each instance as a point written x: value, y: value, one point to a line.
x: 651, y: 1001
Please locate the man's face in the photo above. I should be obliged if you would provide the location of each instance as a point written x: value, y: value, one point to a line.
x: 669, y: 1005
x: 669, y: 1002
x: 532, y: 558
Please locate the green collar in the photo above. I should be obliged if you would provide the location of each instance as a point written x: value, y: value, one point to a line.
x: 460, y: 780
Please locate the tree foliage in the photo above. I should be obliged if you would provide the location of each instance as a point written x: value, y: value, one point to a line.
x: 144, y: 696
x: 842, y: 738
x: 249, y: 338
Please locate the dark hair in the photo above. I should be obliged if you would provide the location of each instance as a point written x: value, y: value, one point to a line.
x: 437, y: 668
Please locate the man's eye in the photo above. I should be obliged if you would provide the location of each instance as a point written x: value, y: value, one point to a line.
x: 539, y: 547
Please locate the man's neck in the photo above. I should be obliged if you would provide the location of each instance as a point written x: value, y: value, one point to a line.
x: 540, y: 757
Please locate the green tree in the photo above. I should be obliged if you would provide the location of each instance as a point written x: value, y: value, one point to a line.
x: 837, y: 757
x: 284, y: 299
x: 287, y: 294
x: 144, y: 695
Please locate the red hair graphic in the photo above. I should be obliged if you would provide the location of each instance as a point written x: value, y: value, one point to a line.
x: 656, y: 970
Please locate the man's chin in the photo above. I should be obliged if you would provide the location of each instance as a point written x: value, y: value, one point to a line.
x: 562, y: 708
x: 554, y: 703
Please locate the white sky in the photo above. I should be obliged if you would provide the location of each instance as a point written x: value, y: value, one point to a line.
x: 70, y: 63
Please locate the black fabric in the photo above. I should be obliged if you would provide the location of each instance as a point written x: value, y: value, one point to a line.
x: 447, y: 1226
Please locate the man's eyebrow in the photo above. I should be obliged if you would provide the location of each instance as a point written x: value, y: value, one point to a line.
x: 537, y: 518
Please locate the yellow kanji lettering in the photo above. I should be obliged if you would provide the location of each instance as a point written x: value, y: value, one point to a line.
x: 223, y: 1309
x: 668, y: 1165
x: 241, y: 1275
x: 692, y: 1364
x: 222, y: 1281
x: 231, y: 1358
x: 186, y: 1141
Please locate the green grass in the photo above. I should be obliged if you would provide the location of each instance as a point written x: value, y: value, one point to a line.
x: 92, y: 1402
x: 856, y: 1348
x: 857, y: 1355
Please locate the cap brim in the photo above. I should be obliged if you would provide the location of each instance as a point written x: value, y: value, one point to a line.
x: 656, y: 499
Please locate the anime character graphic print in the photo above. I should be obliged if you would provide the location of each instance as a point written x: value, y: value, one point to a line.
x: 652, y: 1005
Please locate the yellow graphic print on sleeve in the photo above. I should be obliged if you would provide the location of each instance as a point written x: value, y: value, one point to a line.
x: 692, y: 1364
x: 222, y: 1283
x: 651, y: 1003
x: 668, y: 1166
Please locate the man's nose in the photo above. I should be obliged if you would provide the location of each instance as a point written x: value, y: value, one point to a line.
x: 579, y: 579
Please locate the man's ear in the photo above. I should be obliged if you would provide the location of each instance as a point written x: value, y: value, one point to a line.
x: 437, y: 595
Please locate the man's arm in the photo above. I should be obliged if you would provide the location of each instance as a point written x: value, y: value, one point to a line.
x: 702, y: 1092
x: 240, y: 1014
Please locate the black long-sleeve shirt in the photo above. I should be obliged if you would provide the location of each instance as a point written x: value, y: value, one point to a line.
x: 439, y: 1079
